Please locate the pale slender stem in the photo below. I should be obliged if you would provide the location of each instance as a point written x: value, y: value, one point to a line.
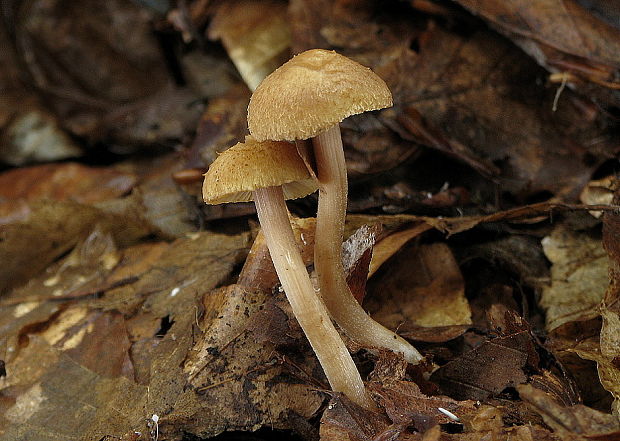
x: 307, y: 306
x: 346, y: 311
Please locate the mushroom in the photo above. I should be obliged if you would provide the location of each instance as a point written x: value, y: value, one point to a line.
x: 268, y: 172
x: 307, y: 97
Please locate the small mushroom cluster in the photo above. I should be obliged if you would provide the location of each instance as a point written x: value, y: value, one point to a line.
x: 307, y: 98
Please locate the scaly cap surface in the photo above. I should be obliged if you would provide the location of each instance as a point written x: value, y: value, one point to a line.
x: 310, y: 93
x: 245, y: 167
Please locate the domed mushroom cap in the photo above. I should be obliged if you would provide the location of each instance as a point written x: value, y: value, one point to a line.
x: 310, y: 93
x: 245, y: 167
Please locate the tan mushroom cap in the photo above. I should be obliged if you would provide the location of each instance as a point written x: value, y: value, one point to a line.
x: 310, y: 93
x: 248, y: 166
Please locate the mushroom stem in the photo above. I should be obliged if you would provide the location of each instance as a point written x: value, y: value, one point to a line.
x: 308, y: 308
x: 346, y: 311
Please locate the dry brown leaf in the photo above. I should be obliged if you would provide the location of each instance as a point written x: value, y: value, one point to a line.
x: 408, y: 410
x: 606, y: 372
x: 573, y: 423
x: 211, y: 74
x: 116, y: 42
x: 171, y: 113
x: 436, y: 334
x: 532, y: 213
x: 406, y: 404
x: 80, y: 273
x: 521, y: 255
x: 579, y: 277
x: 562, y: 390
x: 422, y: 286
x: 487, y: 424
x: 159, y: 200
x: 28, y: 132
x: 561, y: 24
x: 607, y: 360
x: 561, y: 35
x: 345, y: 421
x: 240, y: 382
x: 420, y: 130
x: 96, y: 340
x: 258, y: 271
x: 33, y: 134
x: 357, y: 252
x: 467, y: 377
x: 255, y: 34
x: 600, y: 192
x: 391, y: 243
x: 60, y: 400
x: 223, y: 123
x: 69, y: 181
x: 610, y: 310
x: 52, y: 229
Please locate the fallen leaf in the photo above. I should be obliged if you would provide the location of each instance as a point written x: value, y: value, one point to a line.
x: 255, y: 34
x: 532, y: 213
x: 600, y: 192
x: 239, y: 381
x: 159, y: 200
x: 106, y: 406
x: 271, y: 323
x: 166, y: 115
x: 96, y: 340
x: 406, y: 404
x: 595, y: 374
x: 608, y: 373
x: 422, y: 131
x: 487, y: 423
x: 389, y: 367
x: 116, y: 42
x: 574, y: 422
x: 579, y: 277
x: 164, y: 291
x: 423, y: 286
x: 357, y: 252
x: 52, y: 229
x: 519, y: 254
x: 487, y: 418
x: 80, y: 273
x: 222, y: 124
x: 561, y: 35
x: 390, y: 244
x: 610, y: 331
x: 28, y: 132
x: 210, y: 74
x: 60, y: 182
x: 435, y: 334
x: 345, y: 421
x: 467, y: 377
x: 258, y: 271
x: 34, y: 135
x: 562, y: 391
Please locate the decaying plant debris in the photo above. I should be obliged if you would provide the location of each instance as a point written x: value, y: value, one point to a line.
x: 483, y: 224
